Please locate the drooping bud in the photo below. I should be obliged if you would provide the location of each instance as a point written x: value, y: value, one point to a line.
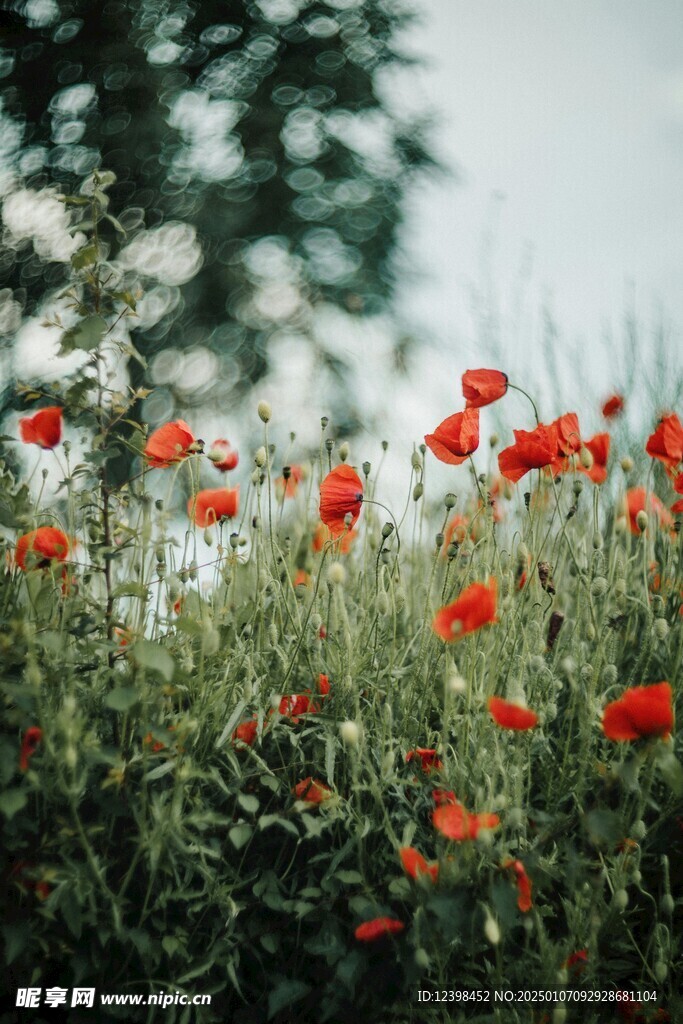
x: 586, y: 458
x: 627, y: 464
x: 344, y: 451
x: 642, y: 520
x: 264, y: 410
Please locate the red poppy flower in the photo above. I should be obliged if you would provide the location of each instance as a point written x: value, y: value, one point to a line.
x: 641, y: 711
x: 577, y: 961
x: 429, y: 759
x: 156, y: 745
x: 223, y: 455
x: 511, y: 716
x: 678, y: 484
x: 341, y: 494
x: 443, y: 796
x: 170, y: 443
x: 455, y: 822
x: 38, y: 548
x: 29, y: 744
x: 312, y: 791
x: 481, y: 387
x: 295, y: 704
x: 43, y: 428
x: 523, y: 884
x: 613, y: 406
x: 455, y: 533
x: 677, y: 507
x: 322, y: 535
x: 476, y: 607
x: 323, y: 684
x: 246, y: 732
x: 378, y: 928
x: 598, y: 446
x: 532, y: 449
x: 22, y: 872
x: 456, y: 438
x: 568, y: 434
x: 666, y: 444
x: 635, y: 503
x: 286, y: 486
x: 211, y: 506
x: 302, y: 578
x: 415, y: 865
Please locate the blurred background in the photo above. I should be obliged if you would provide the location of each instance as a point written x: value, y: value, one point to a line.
x: 341, y: 205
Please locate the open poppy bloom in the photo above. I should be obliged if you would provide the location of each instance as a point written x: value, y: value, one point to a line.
x: 444, y: 796
x: 169, y: 444
x: 287, y: 485
x: 223, y: 455
x: 415, y: 865
x: 512, y: 716
x: 323, y: 684
x: 38, y: 548
x: 640, y: 712
x: 523, y: 884
x: 246, y: 732
x: 598, y: 446
x: 533, y: 449
x: 29, y: 744
x: 613, y: 406
x: 341, y: 495
x: 577, y: 961
x: 295, y: 704
x: 208, y: 507
x: 476, y: 607
x: 43, y: 428
x: 378, y: 928
x: 666, y: 444
x: 637, y: 500
x: 428, y: 757
x: 311, y: 791
x: 568, y: 435
x: 481, y: 387
x: 456, y: 438
x: 322, y: 535
x: 456, y: 823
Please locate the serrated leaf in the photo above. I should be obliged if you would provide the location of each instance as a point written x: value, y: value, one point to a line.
x: 12, y: 800
x: 122, y: 698
x: 86, y: 335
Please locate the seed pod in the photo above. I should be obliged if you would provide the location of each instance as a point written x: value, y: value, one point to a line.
x: 554, y: 627
x: 545, y: 575
x: 366, y: 468
x: 387, y: 530
x: 450, y: 500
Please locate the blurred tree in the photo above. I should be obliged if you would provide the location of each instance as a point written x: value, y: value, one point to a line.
x: 259, y: 170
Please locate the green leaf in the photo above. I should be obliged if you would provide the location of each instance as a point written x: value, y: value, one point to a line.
x: 604, y: 827
x: 72, y: 913
x: 131, y: 590
x: 671, y: 770
x: 248, y: 803
x: 86, y: 335
x: 126, y: 297
x: 117, y: 224
x: 349, y: 877
x: 155, y: 658
x: 122, y: 698
x: 12, y: 800
x: 284, y: 994
x: 16, y: 938
x: 84, y: 257
x: 239, y: 835
x: 170, y: 945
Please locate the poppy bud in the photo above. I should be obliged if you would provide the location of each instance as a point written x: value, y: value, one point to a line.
x: 439, y: 539
x: 387, y: 530
x: 192, y: 571
x: 491, y: 929
x: 234, y: 540
x: 418, y: 491
x: 599, y: 586
x: 660, y: 628
x: 597, y: 540
x: 385, y: 445
x: 336, y: 574
x: 344, y: 451
x: 264, y: 410
x: 423, y: 448
x: 585, y: 458
x: 159, y: 504
x: 667, y: 904
x: 382, y: 603
x: 627, y: 464
x: 366, y: 468
x: 620, y: 899
x: 610, y: 674
x: 452, y: 550
x: 642, y: 520
x: 456, y: 684
x: 260, y: 457
x: 493, y: 440
x: 324, y: 420
x: 450, y: 500
x: 661, y: 971
x: 416, y: 461
x: 350, y: 734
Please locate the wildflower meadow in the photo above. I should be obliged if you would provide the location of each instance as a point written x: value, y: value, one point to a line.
x: 361, y: 761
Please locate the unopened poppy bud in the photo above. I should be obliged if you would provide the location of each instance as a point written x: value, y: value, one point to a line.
x: 44, y: 474
x: 324, y: 420
x: 350, y: 734
x: 456, y: 684
x: 388, y: 763
x: 399, y: 599
x: 183, y: 574
x: 452, y: 550
x: 621, y: 524
x: 638, y: 829
x: 423, y: 448
x: 597, y: 540
x: 208, y: 537
x: 577, y: 487
x: 668, y: 904
x: 450, y: 500
x: 70, y: 757
x: 642, y: 520
x: 620, y: 899
x: 661, y: 971
x: 610, y: 674
x: 264, y: 410
x: 159, y: 504
x: 273, y: 635
x: 418, y: 491
x: 493, y: 440
x: 585, y: 458
x: 260, y: 456
x: 439, y: 539
x: 336, y: 574
x: 491, y: 929
x: 192, y: 572
x: 416, y: 461
x: 387, y: 530
x: 660, y: 628
x: 383, y: 604
x: 627, y: 464
x: 366, y: 468
x: 344, y: 451
x: 234, y: 540
x: 160, y: 554
x: 599, y: 586
x: 385, y: 445
x: 421, y: 958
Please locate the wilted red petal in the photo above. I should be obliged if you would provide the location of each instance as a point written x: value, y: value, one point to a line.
x: 456, y: 438
x: 341, y: 494
x: 666, y: 444
x: 246, y: 732
x: 677, y: 507
x: 323, y: 684
x: 613, y: 406
x: 47, y: 543
x: 481, y: 387
x: 415, y: 865
x: 456, y: 823
x: 169, y: 444
x: 29, y: 744
x: 43, y: 428
x: 640, y: 712
x: 476, y: 607
x: 511, y: 716
x: 533, y: 449
x: 208, y: 507
x: 370, y: 931
x: 312, y: 791
x: 444, y: 796
x: 523, y: 884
